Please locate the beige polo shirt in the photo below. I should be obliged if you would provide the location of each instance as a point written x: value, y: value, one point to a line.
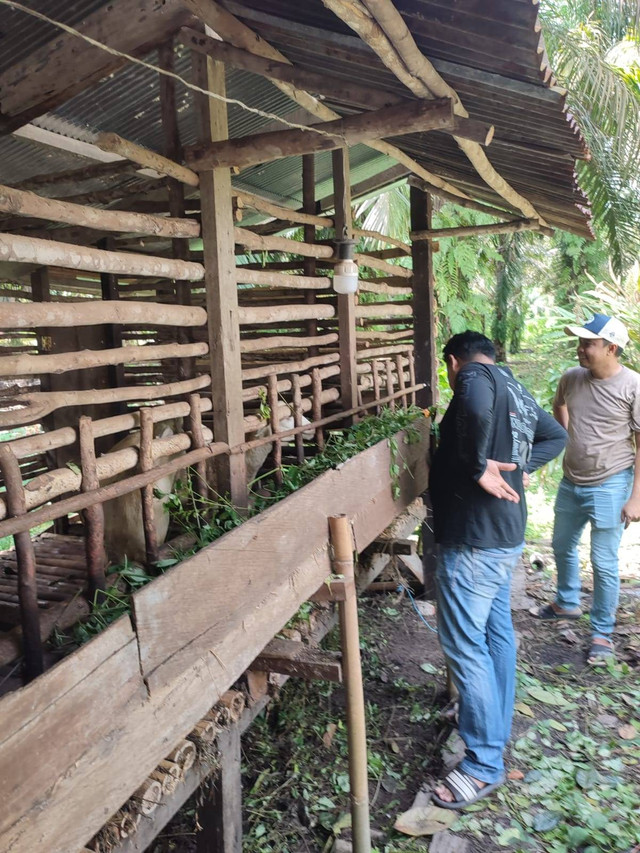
x: 604, y: 414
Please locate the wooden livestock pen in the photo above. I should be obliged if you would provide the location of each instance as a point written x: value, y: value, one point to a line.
x: 177, y: 179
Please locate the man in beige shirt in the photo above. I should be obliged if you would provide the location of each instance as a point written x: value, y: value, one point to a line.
x: 598, y: 403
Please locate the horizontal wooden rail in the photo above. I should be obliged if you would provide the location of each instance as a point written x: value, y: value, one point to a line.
x: 283, y: 313
x: 30, y: 365
x: 278, y: 212
x: 384, y: 289
x: 384, y: 309
x: 29, y: 204
x: 11, y: 526
x: 256, y: 391
x: 49, y: 253
x: 65, y: 436
x: 244, y: 237
x: 95, y: 312
x: 250, y: 373
x: 38, y: 404
x: 284, y: 341
x: 384, y: 266
x: 383, y: 238
x: 115, y: 144
x: 269, y: 278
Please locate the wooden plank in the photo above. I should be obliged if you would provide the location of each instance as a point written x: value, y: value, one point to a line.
x: 226, y: 626
x: 68, y: 65
x: 291, y: 657
x: 414, y: 564
x: 220, y: 284
x: 220, y: 815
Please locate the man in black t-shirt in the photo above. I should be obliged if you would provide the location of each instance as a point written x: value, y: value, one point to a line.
x: 492, y: 433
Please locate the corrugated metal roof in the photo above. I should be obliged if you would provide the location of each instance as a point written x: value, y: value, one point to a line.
x: 490, y: 51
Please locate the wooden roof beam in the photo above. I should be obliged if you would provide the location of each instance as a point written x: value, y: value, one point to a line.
x: 327, y: 136
x: 234, y: 31
x: 336, y: 88
x: 68, y: 64
x: 511, y: 227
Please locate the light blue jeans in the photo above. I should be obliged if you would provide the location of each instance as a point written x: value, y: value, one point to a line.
x: 600, y: 506
x: 476, y: 633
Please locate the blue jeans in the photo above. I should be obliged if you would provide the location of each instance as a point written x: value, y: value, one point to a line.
x: 476, y: 634
x: 601, y: 506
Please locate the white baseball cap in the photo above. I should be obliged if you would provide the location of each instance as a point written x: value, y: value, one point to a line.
x: 601, y: 326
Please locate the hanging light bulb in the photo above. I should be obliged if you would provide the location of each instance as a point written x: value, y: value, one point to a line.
x: 345, y: 272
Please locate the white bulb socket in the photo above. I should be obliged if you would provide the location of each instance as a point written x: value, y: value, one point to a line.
x: 345, y: 276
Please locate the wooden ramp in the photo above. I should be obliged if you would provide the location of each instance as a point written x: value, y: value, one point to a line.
x: 79, y: 740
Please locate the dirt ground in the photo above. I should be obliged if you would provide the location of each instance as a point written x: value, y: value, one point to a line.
x: 573, y: 759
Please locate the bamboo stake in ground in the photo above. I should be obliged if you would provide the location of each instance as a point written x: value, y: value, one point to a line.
x: 342, y: 542
x: 93, y: 515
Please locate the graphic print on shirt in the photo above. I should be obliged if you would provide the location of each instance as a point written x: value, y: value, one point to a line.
x: 523, y: 417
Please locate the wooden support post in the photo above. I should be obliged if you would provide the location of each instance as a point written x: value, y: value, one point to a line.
x: 175, y: 188
x: 388, y: 364
x: 197, y: 440
x: 375, y: 380
x: 412, y: 375
x: 27, y: 585
x: 93, y: 515
x: 423, y: 301
x: 316, y: 405
x: 309, y: 206
x: 220, y: 283
x: 343, y: 564
x: 346, y: 301
x: 272, y: 400
x: 297, y: 416
x: 113, y: 332
x: 146, y: 493
x: 401, y: 383
x: 220, y: 816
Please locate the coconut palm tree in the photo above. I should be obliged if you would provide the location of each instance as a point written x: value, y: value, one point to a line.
x: 593, y: 49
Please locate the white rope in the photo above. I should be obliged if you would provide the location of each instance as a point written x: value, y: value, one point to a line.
x: 72, y: 31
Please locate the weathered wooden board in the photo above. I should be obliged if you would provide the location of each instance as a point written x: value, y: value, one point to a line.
x: 238, y: 580
x: 56, y: 736
x: 79, y: 740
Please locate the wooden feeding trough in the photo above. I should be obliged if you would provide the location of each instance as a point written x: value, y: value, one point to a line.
x: 174, y: 178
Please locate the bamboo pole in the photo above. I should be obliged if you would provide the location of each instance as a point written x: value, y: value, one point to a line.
x: 316, y: 404
x: 22, y: 315
x: 49, y: 253
x: 384, y: 309
x: 375, y: 378
x: 115, y: 144
x: 197, y: 440
x: 32, y: 365
x: 31, y: 205
x: 389, y: 380
x: 297, y: 416
x: 148, y: 796
x: 384, y: 289
x: 343, y: 564
x: 37, y: 405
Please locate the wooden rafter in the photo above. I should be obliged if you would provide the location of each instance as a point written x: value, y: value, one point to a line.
x: 327, y: 136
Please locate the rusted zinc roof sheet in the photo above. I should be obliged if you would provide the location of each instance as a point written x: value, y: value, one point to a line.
x: 492, y: 53
x: 489, y: 51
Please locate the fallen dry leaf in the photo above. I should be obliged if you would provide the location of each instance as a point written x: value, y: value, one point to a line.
x: 607, y: 720
x: 628, y: 732
x: 515, y: 774
x: 570, y: 636
x: 424, y: 820
x: 521, y: 708
x: 327, y: 737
